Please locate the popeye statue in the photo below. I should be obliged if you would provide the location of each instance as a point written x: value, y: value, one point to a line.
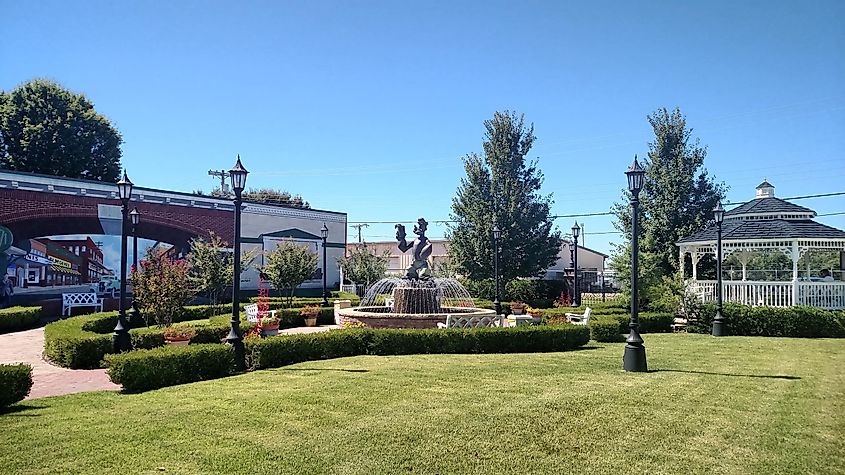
x: 422, y: 250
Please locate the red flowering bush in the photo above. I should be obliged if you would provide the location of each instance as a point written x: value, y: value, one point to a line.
x: 161, y: 287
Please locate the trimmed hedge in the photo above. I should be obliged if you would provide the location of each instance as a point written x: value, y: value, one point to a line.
x: 605, y: 330
x: 81, y: 342
x: 143, y: 370
x: 795, y: 322
x: 15, y: 383
x: 649, y: 322
x: 150, y: 369
x: 19, y: 318
x: 289, y: 349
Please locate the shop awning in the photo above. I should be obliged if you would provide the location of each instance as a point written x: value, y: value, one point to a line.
x: 64, y: 270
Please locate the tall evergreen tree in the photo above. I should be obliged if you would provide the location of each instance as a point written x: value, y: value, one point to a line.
x: 677, y: 199
x: 47, y: 129
x: 502, y: 188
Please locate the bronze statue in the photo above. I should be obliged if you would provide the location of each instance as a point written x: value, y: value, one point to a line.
x: 422, y: 250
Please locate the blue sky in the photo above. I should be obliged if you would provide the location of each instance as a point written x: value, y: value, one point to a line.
x: 367, y: 107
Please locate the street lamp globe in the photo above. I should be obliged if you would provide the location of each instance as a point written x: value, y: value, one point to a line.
x: 238, y: 175
x: 124, y: 188
x: 576, y: 230
x: 719, y: 212
x: 636, y: 176
x: 324, y: 231
x: 497, y: 233
x: 135, y: 216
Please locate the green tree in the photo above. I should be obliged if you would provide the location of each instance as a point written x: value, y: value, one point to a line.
x: 362, y: 266
x: 677, y: 199
x: 211, y: 267
x: 47, y: 129
x: 502, y: 188
x: 288, y: 266
x: 159, y: 287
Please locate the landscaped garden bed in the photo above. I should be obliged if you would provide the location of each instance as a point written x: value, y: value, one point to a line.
x: 14, y: 319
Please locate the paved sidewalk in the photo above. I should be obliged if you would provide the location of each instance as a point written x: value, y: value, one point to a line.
x: 48, y: 379
x: 51, y: 380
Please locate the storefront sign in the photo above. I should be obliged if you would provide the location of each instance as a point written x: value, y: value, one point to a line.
x: 59, y: 262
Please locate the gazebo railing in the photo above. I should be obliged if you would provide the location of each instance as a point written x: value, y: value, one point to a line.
x: 828, y: 295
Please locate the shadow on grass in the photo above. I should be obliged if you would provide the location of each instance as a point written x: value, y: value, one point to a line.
x: 767, y: 376
x: 327, y: 369
x: 14, y: 410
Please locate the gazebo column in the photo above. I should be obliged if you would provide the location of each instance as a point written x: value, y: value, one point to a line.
x: 744, y: 257
x: 695, y: 257
x: 795, y: 256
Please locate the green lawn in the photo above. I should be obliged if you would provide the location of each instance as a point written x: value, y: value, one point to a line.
x: 730, y: 405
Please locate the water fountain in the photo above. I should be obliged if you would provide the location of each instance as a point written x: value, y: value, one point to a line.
x: 416, y: 301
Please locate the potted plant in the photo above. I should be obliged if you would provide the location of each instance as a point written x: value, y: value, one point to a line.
x: 310, y: 313
x: 179, y: 335
x: 518, y: 308
x: 269, y: 326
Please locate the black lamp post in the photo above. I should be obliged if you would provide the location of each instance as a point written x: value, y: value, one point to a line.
x: 121, y: 341
x: 238, y: 175
x: 576, y: 295
x: 720, y: 326
x: 497, y: 233
x: 134, y: 314
x: 324, y: 233
x: 634, y: 357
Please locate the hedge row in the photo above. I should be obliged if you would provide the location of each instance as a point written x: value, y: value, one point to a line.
x: 144, y: 370
x: 81, y: 342
x: 19, y: 318
x: 800, y: 322
x: 649, y: 322
x: 15, y: 383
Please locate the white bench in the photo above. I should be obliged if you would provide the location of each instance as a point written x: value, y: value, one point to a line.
x: 88, y: 299
x: 252, y: 313
x: 474, y: 321
x: 580, y: 318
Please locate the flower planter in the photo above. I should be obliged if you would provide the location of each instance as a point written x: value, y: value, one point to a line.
x: 311, y: 321
x: 177, y: 342
x: 271, y: 330
x: 517, y: 310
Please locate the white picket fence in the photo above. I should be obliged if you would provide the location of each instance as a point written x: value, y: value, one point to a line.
x: 829, y: 295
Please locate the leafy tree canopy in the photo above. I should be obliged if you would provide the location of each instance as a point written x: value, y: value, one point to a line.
x: 288, y: 266
x: 677, y: 199
x: 262, y: 195
x: 501, y: 187
x: 362, y: 266
x: 47, y: 129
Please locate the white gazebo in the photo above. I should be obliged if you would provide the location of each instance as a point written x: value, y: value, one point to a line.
x: 767, y: 223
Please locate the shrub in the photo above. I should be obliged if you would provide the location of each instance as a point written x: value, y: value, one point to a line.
x: 160, y: 287
x: 536, y: 293
x: 480, y: 289
x: 143, y: 370
x: 19, y: 318
x: 649, y: 322
x: 800, y: 322
x: 15, y: 383
x: 605, y: 329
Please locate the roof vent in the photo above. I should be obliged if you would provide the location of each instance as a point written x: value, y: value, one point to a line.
x: 765, y: 190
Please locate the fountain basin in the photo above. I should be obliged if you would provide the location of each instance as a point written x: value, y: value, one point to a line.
x: 385, y: 317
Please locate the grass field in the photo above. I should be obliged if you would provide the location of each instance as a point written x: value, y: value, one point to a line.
x: 729, y: 405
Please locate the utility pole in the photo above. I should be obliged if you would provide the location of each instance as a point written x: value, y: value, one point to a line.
x: 223, y: 175
x: 359, y: 226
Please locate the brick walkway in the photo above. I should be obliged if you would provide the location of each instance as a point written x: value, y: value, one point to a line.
x: 51, y: 380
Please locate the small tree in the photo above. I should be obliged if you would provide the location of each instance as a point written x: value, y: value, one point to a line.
x: 362, y: 266
x: 288, y: 266
x: 211, y: 267
x: 160, y: 287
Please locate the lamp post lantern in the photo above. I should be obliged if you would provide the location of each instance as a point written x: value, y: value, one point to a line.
x: 497, y: 233
x: 720, y: 326
x: 134, y: 314
x: 634, y: 358
x: 238, y: 176
x: 576, y: 296
x: 121, y: 340
x: 324, y: 233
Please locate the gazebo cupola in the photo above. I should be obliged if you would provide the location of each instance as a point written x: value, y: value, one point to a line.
x: 768, y: 223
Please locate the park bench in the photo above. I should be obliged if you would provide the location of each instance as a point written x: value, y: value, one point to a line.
x: 87, y: 299
x: 472, y: 321
x: 580, y: 318
x: 252, y: 313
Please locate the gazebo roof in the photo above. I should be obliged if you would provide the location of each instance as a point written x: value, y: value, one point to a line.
x: 769, y: 205
x: 766, y: 229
